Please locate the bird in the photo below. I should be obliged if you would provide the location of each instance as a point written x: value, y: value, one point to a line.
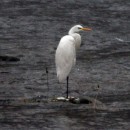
x: 65, y: 56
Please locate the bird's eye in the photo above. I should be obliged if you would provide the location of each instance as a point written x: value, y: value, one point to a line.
x: 79, y: 27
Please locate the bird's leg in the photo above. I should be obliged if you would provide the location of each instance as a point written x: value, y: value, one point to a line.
x: 67, y: 87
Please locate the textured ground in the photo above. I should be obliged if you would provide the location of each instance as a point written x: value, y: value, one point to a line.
x: 30, y: 30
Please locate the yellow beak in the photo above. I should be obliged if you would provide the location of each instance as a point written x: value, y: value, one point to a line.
x: 86, y: 29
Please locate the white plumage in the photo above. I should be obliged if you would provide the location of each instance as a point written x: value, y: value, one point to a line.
x: 65, y: 56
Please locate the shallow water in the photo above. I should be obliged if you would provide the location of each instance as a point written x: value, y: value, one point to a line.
x: 30, y: 30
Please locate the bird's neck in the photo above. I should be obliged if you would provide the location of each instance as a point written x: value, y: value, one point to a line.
x: 77, y: 39
x: 71, y: 31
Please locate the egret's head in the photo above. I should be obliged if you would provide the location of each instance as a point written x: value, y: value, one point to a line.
x: 78, y: 28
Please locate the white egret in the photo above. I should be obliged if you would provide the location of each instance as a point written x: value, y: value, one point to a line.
x: 65, y: 56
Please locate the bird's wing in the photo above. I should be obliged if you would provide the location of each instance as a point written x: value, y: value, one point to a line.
x: 65, y: 57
